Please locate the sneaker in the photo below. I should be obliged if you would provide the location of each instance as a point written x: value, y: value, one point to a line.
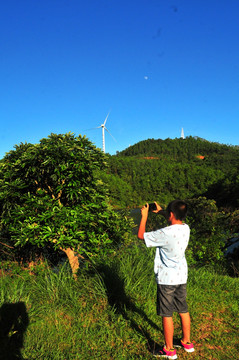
x: 166, y: 354
x: 187, y: 347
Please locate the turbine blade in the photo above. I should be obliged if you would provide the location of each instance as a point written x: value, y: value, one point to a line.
x: 98, y: 127
x: 106, y: 118
x: 110, y: 134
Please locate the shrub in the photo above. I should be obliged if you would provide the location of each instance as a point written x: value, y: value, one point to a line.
x: 50, y: 195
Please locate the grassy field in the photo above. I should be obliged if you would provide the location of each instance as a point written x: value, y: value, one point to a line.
x: 109, y: 312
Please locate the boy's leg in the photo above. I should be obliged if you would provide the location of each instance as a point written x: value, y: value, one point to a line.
x: 185, y: 322
x: 165, y: 308
x: 168, y: 332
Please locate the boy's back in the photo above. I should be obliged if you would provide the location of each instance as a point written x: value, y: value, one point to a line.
x: 170, y: 264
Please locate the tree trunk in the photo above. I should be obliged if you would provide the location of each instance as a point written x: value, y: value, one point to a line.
x: 73, y: 260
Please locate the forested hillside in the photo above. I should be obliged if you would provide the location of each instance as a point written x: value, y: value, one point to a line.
x: 183, y: 168
x: 182, y: 149
x: 204, y: 174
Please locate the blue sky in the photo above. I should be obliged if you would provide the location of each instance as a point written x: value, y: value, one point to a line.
x: 158, y: 65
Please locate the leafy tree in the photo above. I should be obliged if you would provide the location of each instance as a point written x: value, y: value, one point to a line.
x: 121, y: 193
x: 209, y: 231
x: 226, y: 190
x: 50, y: 195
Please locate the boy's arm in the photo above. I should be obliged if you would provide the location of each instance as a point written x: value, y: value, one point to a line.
x: 142, y: 225
x: 158, y: 208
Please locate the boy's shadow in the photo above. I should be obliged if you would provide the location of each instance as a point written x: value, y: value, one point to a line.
x: 122, y: 304
x: 13, y: 323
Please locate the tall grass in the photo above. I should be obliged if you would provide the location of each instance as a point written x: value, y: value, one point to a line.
x: 109, y: 312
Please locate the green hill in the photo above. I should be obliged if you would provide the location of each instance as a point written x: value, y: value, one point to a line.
x: 183, y: 149
x: 165, y: 169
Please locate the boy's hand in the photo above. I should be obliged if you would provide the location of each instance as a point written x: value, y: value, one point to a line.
x: 145, y: 210
x: 144, y: 217
x: 158, y: 208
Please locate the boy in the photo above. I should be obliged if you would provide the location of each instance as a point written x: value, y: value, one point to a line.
x: 171, y: 271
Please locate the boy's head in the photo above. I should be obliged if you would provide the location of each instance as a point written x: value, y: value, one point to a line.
x: 178, y: 208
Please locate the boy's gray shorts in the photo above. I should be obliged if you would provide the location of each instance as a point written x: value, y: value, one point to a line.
x: 171, y: 298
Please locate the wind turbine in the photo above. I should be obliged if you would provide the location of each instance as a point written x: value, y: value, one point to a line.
x: 103, y: 132
x: 182, y: 134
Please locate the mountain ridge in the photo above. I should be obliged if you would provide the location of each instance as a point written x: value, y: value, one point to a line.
x: 178, y: 148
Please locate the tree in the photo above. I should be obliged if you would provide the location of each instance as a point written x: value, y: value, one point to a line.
x: 209, y: 231
x: 50, y: 195
x: 120, y: 192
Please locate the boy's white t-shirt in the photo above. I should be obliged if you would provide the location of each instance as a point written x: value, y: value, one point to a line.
x: 170, y: 265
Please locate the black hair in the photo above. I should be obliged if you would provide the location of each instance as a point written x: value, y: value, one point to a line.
x: 178, y: 208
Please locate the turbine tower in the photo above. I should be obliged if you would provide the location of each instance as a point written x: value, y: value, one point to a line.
x: 103, y: 132
x: 182, y: 134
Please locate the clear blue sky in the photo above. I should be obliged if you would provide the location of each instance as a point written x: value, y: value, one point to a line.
x: 158, y: 65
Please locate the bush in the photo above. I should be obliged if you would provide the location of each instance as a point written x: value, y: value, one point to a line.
x: 208, y: 232
x: 51, y: 196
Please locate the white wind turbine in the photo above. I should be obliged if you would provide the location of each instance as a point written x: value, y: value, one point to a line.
x: 103, y: 132
x: 182, y: 134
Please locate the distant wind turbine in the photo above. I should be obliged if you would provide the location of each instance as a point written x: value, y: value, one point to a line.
x: 182, y: 134
x: 103, y: 132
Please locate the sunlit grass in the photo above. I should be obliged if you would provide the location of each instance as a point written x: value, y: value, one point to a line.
x: 110, y: 312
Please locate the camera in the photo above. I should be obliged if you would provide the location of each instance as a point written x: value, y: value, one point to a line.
x: 152, y: 207
x: 162, y: 212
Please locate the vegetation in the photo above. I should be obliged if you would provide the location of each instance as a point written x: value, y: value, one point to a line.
x: 109, y: 312
x: 60, y: 194
x: 64, y: 194
x: 179, y: 168
x: 203, y: 173
x: 50, y: 196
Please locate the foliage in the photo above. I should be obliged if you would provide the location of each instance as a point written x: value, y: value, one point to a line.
x: 226, y: 190
x: 50, y: 195
x: 121, y: 193
x: 166, y: 169
x: 191, y: 168
x: 208, y: 232
x: 184, y: 149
